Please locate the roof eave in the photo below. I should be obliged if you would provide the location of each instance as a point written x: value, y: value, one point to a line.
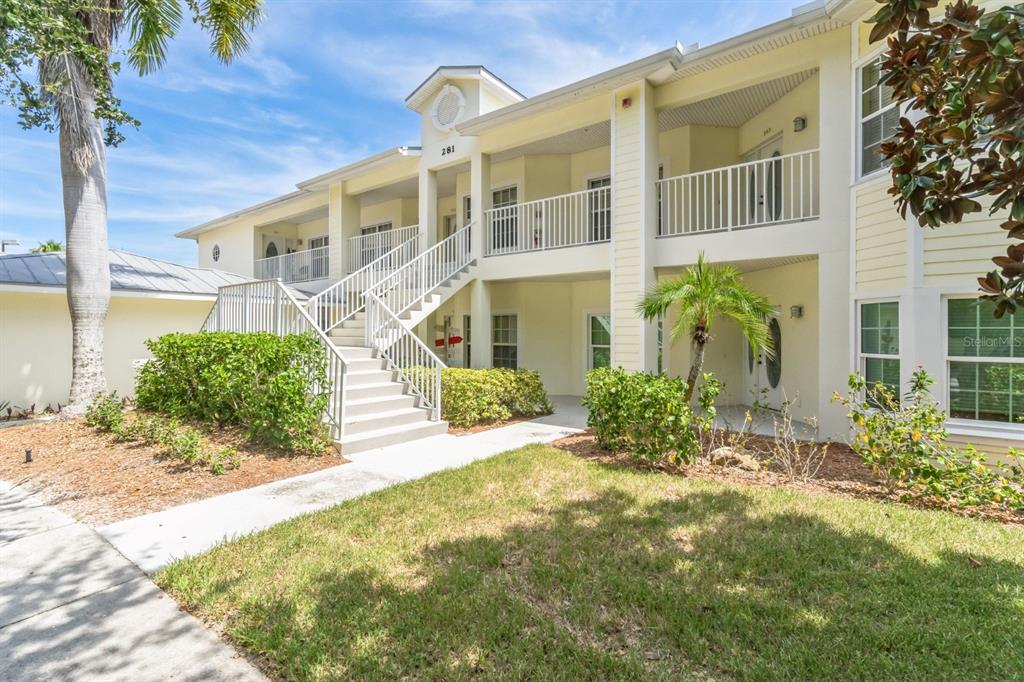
x: 195, y: 231
x: 417, y: 99
x: 607, y: 80
x: 353, y: 169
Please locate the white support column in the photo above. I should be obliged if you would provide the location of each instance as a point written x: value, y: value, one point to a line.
x: 634, y: 142
x: 921, y: 318
x: 479, y: 199
x: 480, y: 321
x: 342, y: 222
x: 428, y: 208
x: 835, y: 330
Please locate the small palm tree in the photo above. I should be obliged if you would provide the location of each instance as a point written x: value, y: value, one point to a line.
x: 703, y: 294
x: 49, y: 246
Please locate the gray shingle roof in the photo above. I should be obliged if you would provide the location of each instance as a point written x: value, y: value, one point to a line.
x: 128, y: 272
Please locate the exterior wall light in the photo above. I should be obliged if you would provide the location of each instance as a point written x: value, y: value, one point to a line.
x: 796, y: 311
x: 627, y: 102
x: 799, y: 124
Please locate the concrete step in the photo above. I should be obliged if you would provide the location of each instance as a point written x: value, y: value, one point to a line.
x: 355, y: 352
x: 370, y: 376
x: 364, y: 364
x: 379, y: 390
x: 385, y: 403
x: 351, y: 444
x: 384, y: 420
x: 347, y: 337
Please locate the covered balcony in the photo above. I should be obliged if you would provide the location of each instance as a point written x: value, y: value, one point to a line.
x: 294, y: 249
x: 556, y: 222
x: 744, y: 158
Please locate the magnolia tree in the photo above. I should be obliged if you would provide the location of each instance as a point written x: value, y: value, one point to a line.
x: 961, y: 78
x: 58, y: 63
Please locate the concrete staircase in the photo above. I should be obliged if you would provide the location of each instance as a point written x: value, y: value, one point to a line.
x: 379, y: 410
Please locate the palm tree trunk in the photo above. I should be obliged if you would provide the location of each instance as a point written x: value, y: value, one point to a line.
x: 83, y: 166
x: 695, y: 368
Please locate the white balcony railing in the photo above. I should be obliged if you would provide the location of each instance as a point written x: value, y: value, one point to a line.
x: 555, y: 222
x: 365, y: 249
x: 765, y: 192
x: 299, y: 266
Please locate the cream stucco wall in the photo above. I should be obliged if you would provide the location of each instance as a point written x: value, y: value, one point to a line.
x: 35, y: 341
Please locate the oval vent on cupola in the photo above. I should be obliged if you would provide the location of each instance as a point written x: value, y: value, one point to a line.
x: 448, y: 107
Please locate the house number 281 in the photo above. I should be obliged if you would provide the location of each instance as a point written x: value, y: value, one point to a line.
x: 450, y: 149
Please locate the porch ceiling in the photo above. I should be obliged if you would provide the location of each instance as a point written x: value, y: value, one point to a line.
x: 751, y: 265
x: 572, y: 142
x: 399, y: 190
x: 302, y: 217
x: 732, y: 109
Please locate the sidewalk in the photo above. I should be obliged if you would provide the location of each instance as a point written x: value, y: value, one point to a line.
x: 155, y: 540
x: 73, y: 608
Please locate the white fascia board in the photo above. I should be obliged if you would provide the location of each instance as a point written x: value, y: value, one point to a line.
x: 120, y: 293
x: 588, y: 87
x: 354, y: 169
x: 417, y: 99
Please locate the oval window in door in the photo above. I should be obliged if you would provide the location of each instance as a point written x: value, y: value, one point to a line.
x: 775, y: 187
x: 773, y: 363
x: 271, y: 250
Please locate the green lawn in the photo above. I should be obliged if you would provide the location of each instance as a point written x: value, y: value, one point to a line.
x: 538, y: 564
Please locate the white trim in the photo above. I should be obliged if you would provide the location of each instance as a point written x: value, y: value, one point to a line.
x: 519, y: 335
x: 858, y: 107
x: 595, y: 176
x: 8, y: 287
x: 587, y: 347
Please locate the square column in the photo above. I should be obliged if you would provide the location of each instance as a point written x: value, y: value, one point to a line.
x: 342, y: 221
x: 479, y: 199
x: 480, y: 319
x: 634, y: 142
x: 428, y: 208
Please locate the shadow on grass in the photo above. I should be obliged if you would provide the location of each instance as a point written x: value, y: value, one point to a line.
x: 702, y: 585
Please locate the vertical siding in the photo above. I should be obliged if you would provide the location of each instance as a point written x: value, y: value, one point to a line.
x: 881, y: 239
x: 627, y: 286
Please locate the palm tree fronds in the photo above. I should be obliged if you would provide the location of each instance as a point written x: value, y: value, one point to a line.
x: 151, y: 23
x: 229, y: 23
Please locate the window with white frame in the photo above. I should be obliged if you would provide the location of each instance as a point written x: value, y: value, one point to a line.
x: 370, y: 249
x: 985, y: 359
x: 504, y: 341
x: 600, y: 208
x: 599, y: 332
x: 504, y: 234
x: 879, y: 115
x: 880, y: 344
x: 467, y: 334
x: 467, y: 210
x: 318, y: 259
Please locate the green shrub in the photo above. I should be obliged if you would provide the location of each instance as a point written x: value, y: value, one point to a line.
x: 904, y: 441
x: 179, y: 441
x: 479, y: 396
x: 105, y: 412
x: 274, y: 387
x: 646, y: 414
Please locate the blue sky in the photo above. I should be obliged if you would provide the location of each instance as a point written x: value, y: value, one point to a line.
x: 322, y: 86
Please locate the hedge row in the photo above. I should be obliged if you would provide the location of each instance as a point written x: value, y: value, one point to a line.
x: 269, y: 385
x: 479, y: 396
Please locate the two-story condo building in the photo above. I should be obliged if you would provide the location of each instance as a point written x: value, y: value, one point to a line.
x: 522, y: 232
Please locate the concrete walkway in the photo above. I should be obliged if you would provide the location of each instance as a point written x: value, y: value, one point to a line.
x: 73, y: 608
x: 155, y: 540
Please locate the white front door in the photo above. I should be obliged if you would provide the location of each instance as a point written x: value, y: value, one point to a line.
x: 763, y: 184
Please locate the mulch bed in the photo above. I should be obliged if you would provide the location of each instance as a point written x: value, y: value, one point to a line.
x: 468, y: 430
x: 98, y: 481
x: 842, y: 473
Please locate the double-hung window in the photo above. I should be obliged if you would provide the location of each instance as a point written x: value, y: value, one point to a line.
x: 599, y: 329
x: 318, y: 257
x: 505, y: 341
x: 880, y: 345
x: 985, y: 358
x: 504, y: 232
x: 372, y: 247
x: 879, y: 115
